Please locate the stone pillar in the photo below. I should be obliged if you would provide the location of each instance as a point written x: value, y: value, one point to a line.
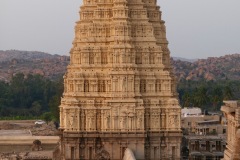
x: 231, y: 111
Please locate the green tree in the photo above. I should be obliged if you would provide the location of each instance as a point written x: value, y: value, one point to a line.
x: 227, y: 93
x: 36, y: 108
x: 201, y: 97
x: 34, y: 85
x: 17, y: 91
x: 216, y: 97
x: 4, y: 93
x: 186, y: 99
x: 54, y: 107
x: 47, y: 116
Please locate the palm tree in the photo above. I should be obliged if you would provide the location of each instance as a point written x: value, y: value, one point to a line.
x: 186, y: 98
x: 217, y: 97
x: 200, y: 97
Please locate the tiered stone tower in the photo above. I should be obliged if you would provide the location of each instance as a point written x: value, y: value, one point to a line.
x: 119, y: 88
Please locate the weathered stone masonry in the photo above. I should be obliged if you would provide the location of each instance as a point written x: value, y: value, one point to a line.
x: 119, y: 90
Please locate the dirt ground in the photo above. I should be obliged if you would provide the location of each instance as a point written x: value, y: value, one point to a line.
x: 36, y: 130
x: 26, y: 127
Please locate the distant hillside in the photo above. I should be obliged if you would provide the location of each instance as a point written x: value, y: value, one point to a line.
x: 23, y: 55
x: 184, y: 59
x: 54, y: 66
x: 28, y: 62
x: 212, y: 68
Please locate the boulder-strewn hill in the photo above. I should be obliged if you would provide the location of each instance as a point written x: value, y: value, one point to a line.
x: 53, y: 66
x: 212, y: 68
x: 28, y: 62
x: 24, y: 55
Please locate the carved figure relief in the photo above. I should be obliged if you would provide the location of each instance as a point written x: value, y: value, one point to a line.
x: 91, y: 120
x: 37, y: 145
x: 82, y: 120
x: 71, y: 119
x: 155, y: 122
x: 122, y: 122
x: 139, y: 122
x: 107, y: 119
x: 82, y: 147
x: 101, y: 153
x: 172, y: 121
x: 176, y: 121
x: 90, y: 123
x: 140, y: 117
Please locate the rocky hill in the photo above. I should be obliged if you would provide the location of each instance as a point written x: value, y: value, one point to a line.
x: 212, y: 68
x: 54, y: 66
x: 24, y: 55
x: 28, y: 62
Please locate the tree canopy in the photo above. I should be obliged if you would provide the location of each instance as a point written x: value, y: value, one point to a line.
x: 29, y: 96
x: 33, y: 95
x: 208, y: 94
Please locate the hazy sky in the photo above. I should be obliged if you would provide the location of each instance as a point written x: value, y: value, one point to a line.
x: 195, y: 28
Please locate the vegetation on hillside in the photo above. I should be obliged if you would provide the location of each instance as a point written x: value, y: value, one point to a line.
x: 26, y: 97
x: 213, y: 68
x: 35, y: 96
x: 208, y: 95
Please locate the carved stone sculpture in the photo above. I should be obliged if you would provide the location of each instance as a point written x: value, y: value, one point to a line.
x: 101, y: 153
x: 37, y: 145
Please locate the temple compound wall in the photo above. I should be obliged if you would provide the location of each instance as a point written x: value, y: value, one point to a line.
x: 231, y: 110
x: 119, y: 89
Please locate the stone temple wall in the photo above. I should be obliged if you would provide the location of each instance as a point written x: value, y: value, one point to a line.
x: 231, y: 111
x: 119, y: 89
